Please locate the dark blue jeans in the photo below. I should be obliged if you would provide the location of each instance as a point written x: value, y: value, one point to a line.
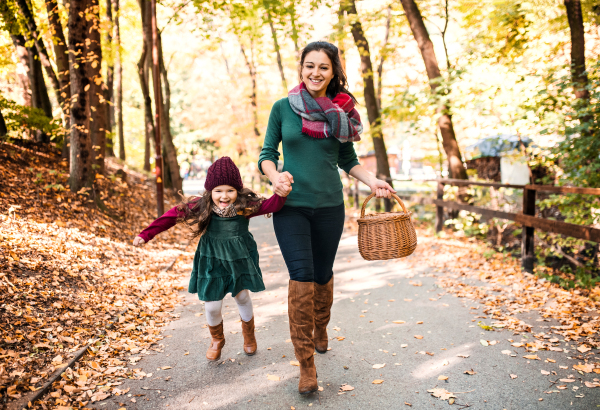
x: 309, y: 239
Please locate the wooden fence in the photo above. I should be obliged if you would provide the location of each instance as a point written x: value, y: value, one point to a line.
x: 527, y: 218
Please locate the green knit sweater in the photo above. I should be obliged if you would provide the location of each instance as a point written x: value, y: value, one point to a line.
x: 313, y: 162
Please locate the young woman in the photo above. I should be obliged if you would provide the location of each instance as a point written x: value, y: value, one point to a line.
x: 317, y: 125
x: 226, y: 260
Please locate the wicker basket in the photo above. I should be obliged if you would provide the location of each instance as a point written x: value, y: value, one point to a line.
x: 386, y: 235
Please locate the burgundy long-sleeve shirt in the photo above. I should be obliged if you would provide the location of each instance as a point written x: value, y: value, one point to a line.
x: 169, y: 219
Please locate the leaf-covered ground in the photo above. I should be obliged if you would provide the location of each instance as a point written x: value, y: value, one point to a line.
x: 572, y: 317
x: 67, y: 270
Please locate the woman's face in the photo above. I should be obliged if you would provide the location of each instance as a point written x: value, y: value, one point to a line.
x: 224, y: 195
x: 316, y: 73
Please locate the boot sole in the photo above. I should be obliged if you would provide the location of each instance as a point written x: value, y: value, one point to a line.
x: 214, y: 360
x: 309, y: 392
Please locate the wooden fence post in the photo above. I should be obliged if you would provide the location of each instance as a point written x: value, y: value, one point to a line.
x: 439, y: 214
x: 527, y: 245
x: 356, y: 204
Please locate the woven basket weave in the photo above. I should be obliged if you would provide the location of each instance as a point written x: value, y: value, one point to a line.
x: 386, y: 235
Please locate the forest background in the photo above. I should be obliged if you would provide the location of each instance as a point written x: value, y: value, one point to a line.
x: 503, y: 67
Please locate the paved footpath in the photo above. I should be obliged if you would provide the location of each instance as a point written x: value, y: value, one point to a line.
x: 369, y: 297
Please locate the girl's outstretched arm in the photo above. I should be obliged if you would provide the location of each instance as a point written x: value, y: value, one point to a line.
x: 168, y: 220
x: 273, y: 204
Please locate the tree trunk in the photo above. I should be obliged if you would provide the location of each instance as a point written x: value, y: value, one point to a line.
x: 383, y: 167
x: 415, y: 20
x: 82, y: 174
x: 143, y: 65
x: 42, y: 51
x: 23, y: 54
x: 3, y: 130
x: 170, y: 160
x: 579, y: 75
x: 110, y: 87
x: 35, y: 78
x: 252, y: 72
x: 383, y: 56
x: 61, y: 54
x: 119, y: 82
x: 148, y: 117
x: 41, y: 99
x: 277, y: 50
x: 295, y: 36
x: 341, y: 36
x: 39, y: 92
x: 98, y: 104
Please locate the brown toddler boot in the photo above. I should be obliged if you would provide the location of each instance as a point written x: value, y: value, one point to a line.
x: 323, y: 300
x: 218, y: 341
x: 249, y: 339
x: 301, y: 315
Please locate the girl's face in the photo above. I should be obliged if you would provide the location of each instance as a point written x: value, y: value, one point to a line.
x: 316, y: 73
x: 224, y: 195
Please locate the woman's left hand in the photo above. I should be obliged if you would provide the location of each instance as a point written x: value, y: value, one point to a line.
x: 381, y: 189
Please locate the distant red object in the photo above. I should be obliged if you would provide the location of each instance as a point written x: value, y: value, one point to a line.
x: 369, y: 162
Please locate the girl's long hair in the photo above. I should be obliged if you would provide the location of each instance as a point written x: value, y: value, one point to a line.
x: 339, y: 82
x: 196, y: 211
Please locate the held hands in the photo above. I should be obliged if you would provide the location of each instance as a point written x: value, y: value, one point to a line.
x: 381, y: 189
x: 138, y: 241
x: 282, y: 184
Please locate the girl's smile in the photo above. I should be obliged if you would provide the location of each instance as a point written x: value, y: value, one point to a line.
x: 224, y: 195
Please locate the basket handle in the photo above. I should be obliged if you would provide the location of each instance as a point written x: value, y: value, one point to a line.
x: 362, y: 211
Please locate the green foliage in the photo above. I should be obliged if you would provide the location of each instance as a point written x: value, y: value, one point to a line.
x: 566, y: 279
x: 10, y: 17
x: 19, y: 118
x: 502, y: 29
x: 577, y: 155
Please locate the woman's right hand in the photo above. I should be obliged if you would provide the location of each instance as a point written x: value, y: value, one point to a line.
x: 282, y: 183
x: 138, y: 241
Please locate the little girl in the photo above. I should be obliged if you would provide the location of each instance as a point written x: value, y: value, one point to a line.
x: 226, y: 259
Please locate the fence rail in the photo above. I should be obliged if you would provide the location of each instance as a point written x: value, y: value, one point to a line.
x: 527, y: 218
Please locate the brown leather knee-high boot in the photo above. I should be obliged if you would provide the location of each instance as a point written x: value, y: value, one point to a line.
x: 301, y: 315
x: 249, y: 339
x: 323, y: 301
x: 218, y: 341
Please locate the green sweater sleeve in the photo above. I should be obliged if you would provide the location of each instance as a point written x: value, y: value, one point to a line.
x: 270, y: 149
x: 347, y: 158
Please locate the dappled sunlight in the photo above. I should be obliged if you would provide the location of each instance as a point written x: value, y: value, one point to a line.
x: 443, y: 360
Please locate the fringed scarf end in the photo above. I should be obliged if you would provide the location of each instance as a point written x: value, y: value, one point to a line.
x: 312, y: 133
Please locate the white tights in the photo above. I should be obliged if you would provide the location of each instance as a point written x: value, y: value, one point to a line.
x: 244, y: 302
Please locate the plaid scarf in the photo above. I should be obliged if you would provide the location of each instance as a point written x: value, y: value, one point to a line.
x: 323, y: 117
x: 228, y: 212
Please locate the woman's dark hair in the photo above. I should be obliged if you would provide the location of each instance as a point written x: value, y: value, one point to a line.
x: 339, y: 82
x: 196, y: 211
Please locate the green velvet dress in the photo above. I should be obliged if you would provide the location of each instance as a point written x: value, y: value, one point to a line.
x: 226, y: 260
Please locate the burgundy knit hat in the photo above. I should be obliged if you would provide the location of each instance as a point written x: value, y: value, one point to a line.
x: 223, y: 172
